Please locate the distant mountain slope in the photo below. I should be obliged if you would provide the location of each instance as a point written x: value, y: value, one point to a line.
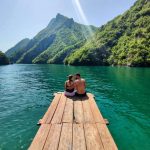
x: 57, y: 37
x: 123, y: 41
x: 15, y: 52
x: 3, y: 59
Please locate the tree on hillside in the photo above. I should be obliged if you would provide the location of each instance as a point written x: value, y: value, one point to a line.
x: 3, y: 59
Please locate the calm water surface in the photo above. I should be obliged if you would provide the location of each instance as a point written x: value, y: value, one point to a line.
x: 122, y: 94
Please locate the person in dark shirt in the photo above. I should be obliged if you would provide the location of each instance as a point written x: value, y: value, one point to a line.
x: 69, y: 86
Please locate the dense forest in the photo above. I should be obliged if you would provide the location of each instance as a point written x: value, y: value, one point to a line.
x: 124, y: 41
x: 3, y: 59
x: 52, y: 44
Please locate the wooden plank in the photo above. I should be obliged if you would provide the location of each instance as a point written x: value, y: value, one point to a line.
x: 40, y: 138
x: 57, y: 118
x: 92, y: 137
x: 53, y: 137
x: 96, y: 112
x: 68, y: 112
x: 78, y: 112
x: 88, y: 116
x: 78, y: 137
x: 106, y: 137
x: 66, y: 137
x: 50, y: 112
x: 76, y: 124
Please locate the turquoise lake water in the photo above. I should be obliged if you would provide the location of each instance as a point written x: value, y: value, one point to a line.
x: 122, y: 94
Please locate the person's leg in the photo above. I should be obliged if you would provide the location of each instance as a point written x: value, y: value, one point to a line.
x: 69, y: 94
x: 72, y: 94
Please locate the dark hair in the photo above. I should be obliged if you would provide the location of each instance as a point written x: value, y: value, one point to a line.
x: 78, y: 74
x: 70, y: 77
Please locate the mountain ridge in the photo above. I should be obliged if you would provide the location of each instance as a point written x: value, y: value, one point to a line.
x: 60, y: 33
x: 123, y: 41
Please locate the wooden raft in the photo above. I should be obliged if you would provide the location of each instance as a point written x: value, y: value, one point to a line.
x: 73, y: 123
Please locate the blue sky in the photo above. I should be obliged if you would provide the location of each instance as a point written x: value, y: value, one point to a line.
x: 25, y: 18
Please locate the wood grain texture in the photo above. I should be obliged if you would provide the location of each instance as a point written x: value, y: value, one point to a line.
x: 52, y: 141
x: 51, y: 110
x: 106, y: 137
x: 66, y: 137
x: 95, y: 110
x: 73, y: 123
x: 92, y: 137
x: 68, y: 112
x: 78, y: 112
x: 87, y: 113
x: 78, y: 137
x: 57, y: 118
x: 40, y: 138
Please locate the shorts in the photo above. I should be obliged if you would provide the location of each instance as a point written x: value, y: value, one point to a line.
x: 69, y: 93
x: 80, y: 95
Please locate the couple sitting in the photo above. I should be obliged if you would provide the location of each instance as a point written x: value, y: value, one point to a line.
x: 75, y: 85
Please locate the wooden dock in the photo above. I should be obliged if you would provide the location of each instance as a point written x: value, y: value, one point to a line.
x: 73, y: 123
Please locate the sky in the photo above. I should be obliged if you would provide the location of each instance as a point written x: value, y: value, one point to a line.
x: 21, y: 19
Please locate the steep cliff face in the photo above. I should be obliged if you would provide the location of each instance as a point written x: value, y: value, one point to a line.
x: 52, y: 44
x: 123, y: 41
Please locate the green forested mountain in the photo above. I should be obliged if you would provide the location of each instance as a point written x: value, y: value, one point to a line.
x: 3, y: 59
x: 52, y: 44
x: 123, y: 41
x: 16, y: 52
